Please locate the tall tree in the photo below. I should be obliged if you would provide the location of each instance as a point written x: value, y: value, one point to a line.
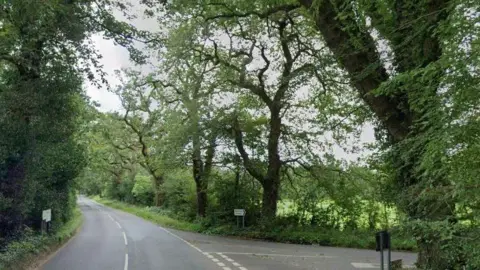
x: 189, y: 81
x: 271, y: 61
x: 40, y: 90
x: 44, y: 53
x: 144, y: 116
x: 365, y: 38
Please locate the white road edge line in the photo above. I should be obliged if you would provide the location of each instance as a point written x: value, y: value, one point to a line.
x: 199, y: 250
x: 125, y: 238
x: 118, y: 224
x: 181, y: 239
x: 126, y: 262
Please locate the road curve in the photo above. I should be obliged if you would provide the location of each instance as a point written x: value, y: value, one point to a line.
x: 112, y: 239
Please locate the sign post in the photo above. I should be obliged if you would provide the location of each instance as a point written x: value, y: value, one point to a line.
x: 46, y: 218
x: 240, y: 213
x: 382, y: 240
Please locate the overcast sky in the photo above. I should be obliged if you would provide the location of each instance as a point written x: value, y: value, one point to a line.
x: 116, y: 57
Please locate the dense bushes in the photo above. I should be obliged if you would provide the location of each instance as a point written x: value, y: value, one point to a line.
x: 41, y: 107
x: 315, y: 219
x: 142, y: 190
x: 179, y: 194
x: 272, y: 231
x: 23, y: 252
x: 234, y: 191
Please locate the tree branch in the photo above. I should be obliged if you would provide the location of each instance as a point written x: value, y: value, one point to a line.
x: 249, y: 166
x: 262, y: 15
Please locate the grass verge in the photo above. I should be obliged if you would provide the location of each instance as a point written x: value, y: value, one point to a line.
x: 32, y: 248
x: 297, y: 235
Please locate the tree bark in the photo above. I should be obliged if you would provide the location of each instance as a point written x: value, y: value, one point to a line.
x: 271, y: 183
x: 271, y: 179
x: 198, y: 176
x: 202, y: 171
x: 367, y: 73
x: 270, y: 198
x: 363, y: 64
x: 158, y: 197
x: 201, y: 201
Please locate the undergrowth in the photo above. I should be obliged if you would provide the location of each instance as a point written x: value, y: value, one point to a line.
x: 288, y: 234
x: 21, y: 253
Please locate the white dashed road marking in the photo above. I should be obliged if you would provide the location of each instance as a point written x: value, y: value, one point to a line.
x: 125, y: 238
x: 208, y: 255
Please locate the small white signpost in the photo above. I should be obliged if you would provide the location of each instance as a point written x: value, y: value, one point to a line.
x: 240, y: 213
x: 46, y: 218
x: 47, y: 215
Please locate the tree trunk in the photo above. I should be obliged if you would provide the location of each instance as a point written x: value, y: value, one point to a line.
x: 198, y: 171
x: 158, y: 197
x: 271, y: 182
x: 201, y: 170
x: 201, y: 201
x: 356, y: 51
x: 270, y: 198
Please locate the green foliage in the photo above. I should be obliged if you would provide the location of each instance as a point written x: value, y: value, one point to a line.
x: 275, y: 231
x: 232, y: 191
x: 40, y: 99
x: 20, y: 253
x: 424, y: 171
x: 179, y: 192
x: 151, y: 213
x: 142, y: 190
x: 457, y: 244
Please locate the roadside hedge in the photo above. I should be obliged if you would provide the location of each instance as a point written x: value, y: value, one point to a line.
x: 295, y: 235
x: 32, y: 247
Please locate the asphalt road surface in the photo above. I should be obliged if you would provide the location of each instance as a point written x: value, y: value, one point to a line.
x: 112, y: 239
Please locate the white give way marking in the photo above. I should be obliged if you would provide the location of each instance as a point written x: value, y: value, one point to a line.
x: 208, y: 255
x: 360, y: 265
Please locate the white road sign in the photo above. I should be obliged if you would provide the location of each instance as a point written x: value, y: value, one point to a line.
x: 47, y: 215
x: 239, y: 212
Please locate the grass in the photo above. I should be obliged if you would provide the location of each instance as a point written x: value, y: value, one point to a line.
x: 297, y: 235
x: 22, y: 253
x: 148, y: 214
x: 389, y: 214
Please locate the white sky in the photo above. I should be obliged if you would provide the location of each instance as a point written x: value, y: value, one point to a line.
x: 116, y: 57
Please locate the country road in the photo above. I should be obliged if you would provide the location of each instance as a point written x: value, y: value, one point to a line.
x: 112, y: 239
